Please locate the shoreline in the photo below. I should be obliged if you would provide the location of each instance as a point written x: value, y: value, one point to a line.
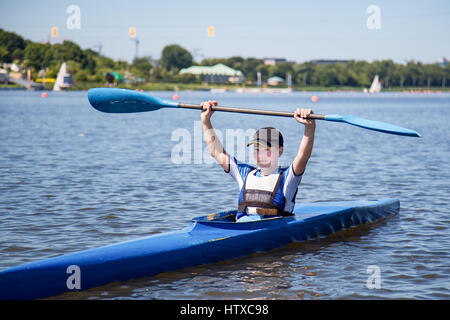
x: 179, y: 87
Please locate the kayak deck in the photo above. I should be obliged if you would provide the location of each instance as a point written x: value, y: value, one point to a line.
x: 208, y: 239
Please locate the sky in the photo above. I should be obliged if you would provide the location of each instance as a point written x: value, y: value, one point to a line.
x: 296, y: 30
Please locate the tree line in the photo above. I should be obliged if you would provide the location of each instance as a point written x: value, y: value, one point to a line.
x: 352, y: 73
x: 88, y: 65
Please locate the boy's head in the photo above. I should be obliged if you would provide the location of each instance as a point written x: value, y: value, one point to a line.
x: 268, y: 144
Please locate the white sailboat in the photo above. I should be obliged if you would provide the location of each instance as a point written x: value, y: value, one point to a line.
x: 376, y: 85
x: 63, y: 80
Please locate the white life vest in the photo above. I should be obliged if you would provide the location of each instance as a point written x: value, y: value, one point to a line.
x: 263, y: 194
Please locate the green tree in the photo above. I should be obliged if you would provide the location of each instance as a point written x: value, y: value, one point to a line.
x: 413, y: 72
x: 105, y: 63
x: 17, y: 54
x: 383, y: 69
x: 34, y: 53
x: 446, y: 76
x: 91, y: 60
x: 72, y: 66
x: 303, y: 73
x: 81, y: 76
x: 235, y: 62
x: 433, y: 74
x: 66, y: 51
x: 4, y: 54
x: 10, y: 41
x: 141, y: 67
x: 264, y: 72
x: 359, y: 73
x: 249, y: 66
x: 213, y: 61
x: 281, y: 69
x: 175, y: 57
x: 397, y: 75
x: 328, y: 75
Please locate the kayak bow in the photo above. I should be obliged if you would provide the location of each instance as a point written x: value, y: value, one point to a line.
x: 208, y: 239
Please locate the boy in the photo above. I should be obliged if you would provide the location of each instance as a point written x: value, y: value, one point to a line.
x: 267, y: 190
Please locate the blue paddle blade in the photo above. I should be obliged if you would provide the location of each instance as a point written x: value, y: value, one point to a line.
x: 111, y: 100
x: 371, y: 124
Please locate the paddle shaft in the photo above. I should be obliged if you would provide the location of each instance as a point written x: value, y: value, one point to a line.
x: 249, y: 111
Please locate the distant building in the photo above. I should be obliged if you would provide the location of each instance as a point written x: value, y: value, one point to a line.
x: 324, y: 61
x: 218, y: 73
x: 274, y: 81
x: 273, y: 61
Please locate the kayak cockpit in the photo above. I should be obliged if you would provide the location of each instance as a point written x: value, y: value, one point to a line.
x: 226, y: 216
x: 227, y: 220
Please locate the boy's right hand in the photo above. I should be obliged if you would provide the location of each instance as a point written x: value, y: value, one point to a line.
x: 207, y: 112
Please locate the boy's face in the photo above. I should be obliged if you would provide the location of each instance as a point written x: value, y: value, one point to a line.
x: 266, y: 157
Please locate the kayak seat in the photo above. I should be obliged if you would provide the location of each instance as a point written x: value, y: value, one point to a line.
x: 229, y: 216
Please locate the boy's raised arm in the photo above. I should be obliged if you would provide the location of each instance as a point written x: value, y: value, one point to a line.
x: 306, y: 145
x: 213, y: 143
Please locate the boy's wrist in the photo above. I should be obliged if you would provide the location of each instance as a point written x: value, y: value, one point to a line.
x: 206, y: 122
x: 310, y: 129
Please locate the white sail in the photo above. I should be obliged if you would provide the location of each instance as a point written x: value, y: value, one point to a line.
x: 376, y: 85
x: 59, y: 83
x: 63, y: 80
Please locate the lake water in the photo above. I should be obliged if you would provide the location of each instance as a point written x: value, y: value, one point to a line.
x: 72, y: 178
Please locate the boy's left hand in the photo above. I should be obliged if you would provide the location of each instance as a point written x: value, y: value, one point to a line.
x: 301, y: 116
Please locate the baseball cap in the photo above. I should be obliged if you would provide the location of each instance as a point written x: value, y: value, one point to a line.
x: 267, y: 137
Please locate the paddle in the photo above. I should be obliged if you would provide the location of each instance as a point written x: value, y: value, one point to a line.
x: 113, y: 100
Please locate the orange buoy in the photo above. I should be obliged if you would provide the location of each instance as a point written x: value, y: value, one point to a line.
x: 175, y: 97
x: 44, y: 94
x: 314, y: 98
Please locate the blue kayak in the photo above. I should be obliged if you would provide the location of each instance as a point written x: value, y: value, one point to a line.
x: 208, y: 239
